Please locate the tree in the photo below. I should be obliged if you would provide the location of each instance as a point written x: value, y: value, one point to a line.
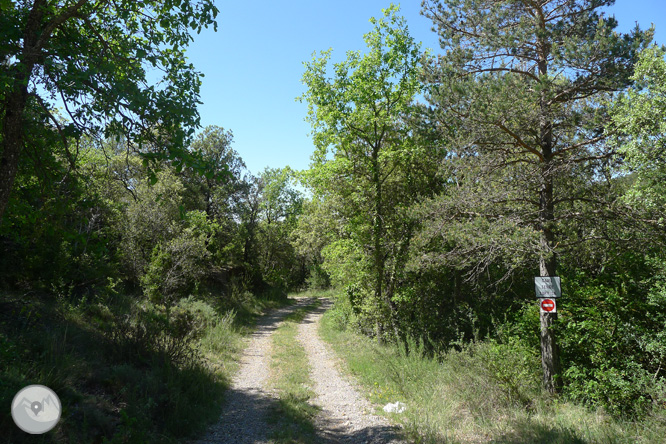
x: 316, y: 228
x: 280, y: 205
x: 639, y: 120
x: 153, y: 219
x: 367, y: 158
x: 225, y: 179
x: 521, y: 83
x: 94, y: 58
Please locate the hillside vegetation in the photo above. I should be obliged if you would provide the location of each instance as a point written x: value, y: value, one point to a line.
x: 136, y: 249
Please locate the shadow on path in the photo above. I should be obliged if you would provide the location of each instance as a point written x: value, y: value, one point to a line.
x: 234, y: 427
x: 248, y: 404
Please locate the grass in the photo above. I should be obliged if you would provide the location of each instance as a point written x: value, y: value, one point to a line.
x: 114, y: 371
x: 290, y: 377
x: 481, y: 394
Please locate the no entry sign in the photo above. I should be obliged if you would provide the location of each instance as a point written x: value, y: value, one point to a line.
x: 548, y: 306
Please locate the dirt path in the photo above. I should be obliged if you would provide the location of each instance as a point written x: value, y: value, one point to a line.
x: 248, y: 401
x: 345, y: 417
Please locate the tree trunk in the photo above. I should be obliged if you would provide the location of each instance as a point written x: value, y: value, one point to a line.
x: 16, y: 98
x: 550, y: 358
x: 12, y: 142
x: 377, y: 233
x: 37, y: 32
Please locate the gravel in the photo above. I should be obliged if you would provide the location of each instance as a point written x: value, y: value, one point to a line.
x: 248, y: 401
x: 345, y: 416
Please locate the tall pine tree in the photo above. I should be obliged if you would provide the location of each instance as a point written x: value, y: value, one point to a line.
x: 520, y: 81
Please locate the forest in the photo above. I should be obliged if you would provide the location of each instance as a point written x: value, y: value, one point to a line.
x: 136, y: 248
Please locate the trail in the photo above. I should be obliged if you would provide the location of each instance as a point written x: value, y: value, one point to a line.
x: 248, y: 401
x: 345, y: 418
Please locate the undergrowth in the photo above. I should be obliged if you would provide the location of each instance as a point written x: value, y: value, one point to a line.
x: 126, y: 370
x: 486, y: 391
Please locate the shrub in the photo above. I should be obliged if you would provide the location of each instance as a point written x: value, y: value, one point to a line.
x: 179, y: 265
x: 318, y: 279
x: 613, y: 343
x: 203, y: 314
x: 152, y: 333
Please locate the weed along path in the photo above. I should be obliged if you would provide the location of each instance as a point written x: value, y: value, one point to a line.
x: 341, y: 415
x: 345, y: 417
x: 249, y: 400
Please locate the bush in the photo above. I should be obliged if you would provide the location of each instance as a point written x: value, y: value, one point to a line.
x: 152, y: 332
x: 342, y: 313
x: 178, y: 266
x: 203, y: 315
x: 613, y: 343
x: 513, y: 367
x: 318, y: 279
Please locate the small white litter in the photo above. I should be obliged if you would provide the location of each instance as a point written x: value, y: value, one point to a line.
x: 396, y: 407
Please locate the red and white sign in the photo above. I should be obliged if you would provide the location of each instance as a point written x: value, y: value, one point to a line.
x: 548, y: 306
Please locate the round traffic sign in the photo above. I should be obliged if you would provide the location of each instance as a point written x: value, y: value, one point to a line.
x: 548, y: 305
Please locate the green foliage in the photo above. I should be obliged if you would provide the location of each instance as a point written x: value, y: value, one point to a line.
x: 612, y: 339
x: 220, y: 189
x: 487, y: 391
x: 95, y: 58
x: 368, y: 90
x: 54, y: 233
x: 318, y: 279
x: 116, y: 387
x: 639, y: 117
x: 431, y: 248
x: 370, y: 162
x: 152, y: 333
x: 313, y: 231
x: 345, y: 263
x: 152, y: 218
x: 279, y: 207
x: 177, y: 269
x: 142, y: 34
x: 518, y: 91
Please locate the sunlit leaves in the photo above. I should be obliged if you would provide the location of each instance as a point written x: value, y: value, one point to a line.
x: 639, y: 119
x: 119, y: 67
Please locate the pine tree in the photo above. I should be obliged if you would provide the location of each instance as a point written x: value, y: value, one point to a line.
x: 520, y: 81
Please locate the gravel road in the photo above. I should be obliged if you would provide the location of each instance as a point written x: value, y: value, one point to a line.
x: 248, y: 401
x: 345, y: 417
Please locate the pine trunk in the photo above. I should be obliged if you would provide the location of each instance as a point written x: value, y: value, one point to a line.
x: 550, y: 358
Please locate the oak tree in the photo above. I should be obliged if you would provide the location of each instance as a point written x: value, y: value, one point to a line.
x: 115, y: 66
x: 639, y: 122
x: 367, y: 159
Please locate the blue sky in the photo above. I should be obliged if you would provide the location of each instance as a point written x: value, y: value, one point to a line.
x: 253, y: 65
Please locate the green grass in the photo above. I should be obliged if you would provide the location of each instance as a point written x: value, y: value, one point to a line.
x: 290, y: 377
x: 485, y: 393
x: 115, y: 385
